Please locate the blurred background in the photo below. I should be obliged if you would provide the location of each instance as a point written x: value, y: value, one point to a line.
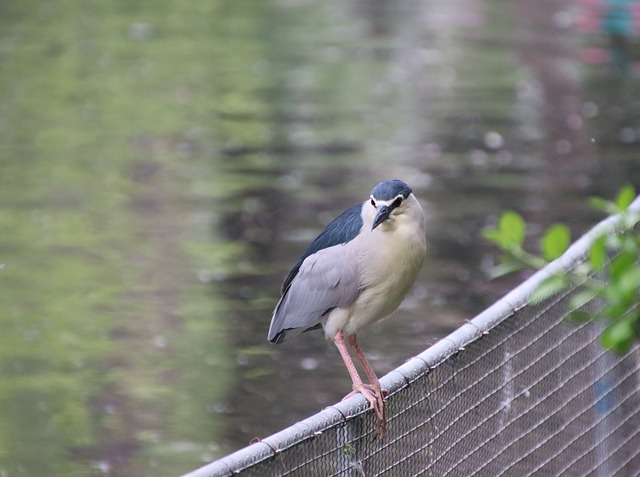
x: 163, y: 164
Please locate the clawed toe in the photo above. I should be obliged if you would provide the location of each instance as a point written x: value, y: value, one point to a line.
x: 376, y: 397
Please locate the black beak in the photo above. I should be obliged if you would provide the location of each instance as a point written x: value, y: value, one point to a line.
x: 382, y: 214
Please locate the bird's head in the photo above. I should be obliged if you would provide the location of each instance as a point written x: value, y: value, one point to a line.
x: 390, y: 199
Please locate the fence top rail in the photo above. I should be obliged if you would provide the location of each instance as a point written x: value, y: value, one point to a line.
x: 415, y: 367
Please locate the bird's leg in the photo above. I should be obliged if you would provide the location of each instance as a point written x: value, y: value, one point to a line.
x: 370, y: 392
x: 371, y: 375
x: 374, y: 383
x: 338, y: 339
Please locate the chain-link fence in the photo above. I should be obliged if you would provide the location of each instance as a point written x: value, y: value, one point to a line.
x: 519, y: 390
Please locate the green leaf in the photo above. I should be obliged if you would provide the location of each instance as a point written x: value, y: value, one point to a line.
x: 615, y: 308
x: 509, y: 233
x: 555, y: 241
x: 493, y: 235
x: 512, y: 228
x: 598, y: 253
x: 623, y: 262
x: 581, y: 298
x: 623, y: 290
x: 619, y: 335
x: 603, y: 205
x: 629, y: 242
x: 619, y: 241
x: 625, y: 197
x: 581, y: 317
x: 506, y: 266
x: 549, y: 287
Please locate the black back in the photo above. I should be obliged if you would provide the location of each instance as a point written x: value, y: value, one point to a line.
x: 342, y: 229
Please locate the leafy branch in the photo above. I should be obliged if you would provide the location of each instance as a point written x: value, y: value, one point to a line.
x: 614, y: 282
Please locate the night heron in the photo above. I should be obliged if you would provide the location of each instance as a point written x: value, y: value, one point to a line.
x: 356, y: 272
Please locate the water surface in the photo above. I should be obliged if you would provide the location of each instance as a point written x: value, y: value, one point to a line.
x: 163, y: 165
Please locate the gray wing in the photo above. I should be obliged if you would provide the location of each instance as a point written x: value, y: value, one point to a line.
x: 327, y: 279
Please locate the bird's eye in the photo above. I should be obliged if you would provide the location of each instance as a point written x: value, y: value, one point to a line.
x: 397, y: 202
x: 373, y: 203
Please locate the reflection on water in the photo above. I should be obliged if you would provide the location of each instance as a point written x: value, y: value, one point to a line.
x: 163, y: 166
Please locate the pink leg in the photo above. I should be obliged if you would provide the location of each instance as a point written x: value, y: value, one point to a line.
x: 372, y: 392
x: 381, y: 427
x: 338, y: 339
x: 371, y: 375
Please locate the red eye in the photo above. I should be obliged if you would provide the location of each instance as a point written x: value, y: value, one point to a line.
x: 373, y: 203
x: 397, y: 202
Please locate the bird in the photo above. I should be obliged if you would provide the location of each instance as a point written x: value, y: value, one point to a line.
x: 356, y: 272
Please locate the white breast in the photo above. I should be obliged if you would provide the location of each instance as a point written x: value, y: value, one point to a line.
x: 389, y: 259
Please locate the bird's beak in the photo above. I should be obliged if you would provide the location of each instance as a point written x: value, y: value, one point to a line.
x: 382, y: 214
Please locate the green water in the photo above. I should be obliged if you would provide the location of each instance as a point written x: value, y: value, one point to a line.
x: 163, y: 163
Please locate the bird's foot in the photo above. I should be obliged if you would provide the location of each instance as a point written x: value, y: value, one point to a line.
x: 376, y: 397
x: 375, y: 389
